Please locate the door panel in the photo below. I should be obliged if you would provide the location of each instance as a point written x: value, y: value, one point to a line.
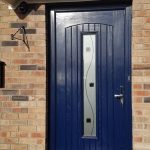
x: 67, y: 104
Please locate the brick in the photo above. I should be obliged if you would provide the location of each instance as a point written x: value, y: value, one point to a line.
x: 40, y: 25
x: 28, y: 67
x: 27, y: 128
x: 8, y: 128
x: 27, y: 141
x: 38, y: 73
x: 19, y: 147
x: 18, y: 25
x: 29, y: 31
x: 147, y: 86
x: 38, y: 12
x: 4, y: 98
x: 10, y: 92
x: 146, y: 60
x: 146, y: 26
x: 18, y: 122
x: 37, y: 86
x: 20, y: 61
x: 19, y: 49
x: 20, y: 98
x: 146, y: 33
x: 41, y: 68
x: 138, y: 126
x: 40, y: 116
x: 37, y: 135
x: 10, y: 104
x: 146, y: 72
x: 9, y: 18
x: 37, y: 49
x: 146, y: 126
x: 141, y: 93
x: 5, y: 146
x: 36, y: 110
x: 11, y: 140
x: 28, y: 104
x: 4, y: 25
x: 41, y: 104
x: 27, y: 116
x: 138, y: 139
x: 8, y: 116
x: 137, y: 72
x: 40, y: 43
x: 41, y: 129
x: 21, y: 74
x: 37, y: 61
x: 13, y: 80
x: 4, y: 134
x: 4, y: 122
x: 141, y: 119
x: 27, y: 55
x: 40, y: 141
x: 146, y: 46
x: 41, y: 31
x: 141, y: 66
x: 36, y: 147
x: 146, y: 6
x: 0, y: 104
x: 137, y: 33
x: 27, y: 92
x: 147, y: 139
x: 9, y: 43
x: 140, y: 2
x: 138, y: 113
x: 147, y: 100
x: 20, y: 134
x: 136, y: 41
x: 137, y: 7
x: 28, y: 80
x: 7, y: 110
x: 36, y: 122
x: 138, y: 20
x: 137, y: 27
x: 137, y: 86
x: 20, y: 110
x: 141, y: 13
x: 4, y: 38
x: 147, y: 113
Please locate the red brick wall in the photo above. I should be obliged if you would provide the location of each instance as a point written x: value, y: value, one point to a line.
x: 23, y: 100
x: 141, y: 74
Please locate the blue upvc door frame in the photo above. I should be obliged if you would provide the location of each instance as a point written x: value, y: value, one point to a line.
x: 51, y: 64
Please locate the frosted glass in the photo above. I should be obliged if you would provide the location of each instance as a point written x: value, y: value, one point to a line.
x: 89, y: 84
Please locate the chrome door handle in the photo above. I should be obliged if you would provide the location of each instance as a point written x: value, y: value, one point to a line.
x: 120, y: 96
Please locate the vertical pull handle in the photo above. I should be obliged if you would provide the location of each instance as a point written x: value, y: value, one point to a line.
x: 120, y: 96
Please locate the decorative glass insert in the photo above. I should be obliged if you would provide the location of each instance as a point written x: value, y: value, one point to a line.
x: 89, y: 84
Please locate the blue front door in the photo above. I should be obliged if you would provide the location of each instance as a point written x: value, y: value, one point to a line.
x: 102, y: 121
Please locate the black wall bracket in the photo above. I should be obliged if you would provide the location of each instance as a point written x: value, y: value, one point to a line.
x: 24, y: 37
